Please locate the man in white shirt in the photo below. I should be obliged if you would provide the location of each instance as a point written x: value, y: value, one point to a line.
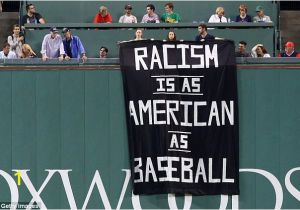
x: 6, y: 53
x: 219, y: 16
x: 52, y: 46
x: 150, y: 17
x: 261, y: 17
x: 128, y: 17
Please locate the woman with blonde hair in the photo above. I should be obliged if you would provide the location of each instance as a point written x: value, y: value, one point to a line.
x: 219, y: 16
x: 27, y: 52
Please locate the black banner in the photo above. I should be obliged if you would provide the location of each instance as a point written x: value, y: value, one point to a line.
x: 182, y: 116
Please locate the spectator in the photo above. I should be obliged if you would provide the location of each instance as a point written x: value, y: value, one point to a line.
x: 171, y: 36
x: 72, y: 46
x: 27, y: 52
x: 128, y: 17
x: 16, y: 41
x: 259, y: 51
x: 6, y: 53
x: 138, y: 34
x: 261, y: 17
x: 289, y: 51
x: 243, y: 17
x: 169, y: 16
x: 32, y: 16
x: 219, y: 16
x: 150, y: 17
x: 242, y: 50
x: 103, y: 16
x: 203, y: 35
x: 52, y: 46
x: 103, y: 52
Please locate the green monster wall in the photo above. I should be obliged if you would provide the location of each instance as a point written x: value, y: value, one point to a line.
x: 72, y: 117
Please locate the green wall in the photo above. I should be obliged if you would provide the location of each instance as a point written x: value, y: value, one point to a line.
x: 75, y: 119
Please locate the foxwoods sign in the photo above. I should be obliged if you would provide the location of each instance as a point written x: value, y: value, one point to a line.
x: 135, y: 199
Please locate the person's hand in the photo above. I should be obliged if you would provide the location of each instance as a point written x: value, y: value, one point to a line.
x: 21, y: 38
x: 44, y: 58
x: 61, y: 58
x: 84, y: 58
x: 67, y: 58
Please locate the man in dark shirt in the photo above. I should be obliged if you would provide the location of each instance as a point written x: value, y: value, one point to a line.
x: 73, y: 46
x: 242, y: 50
x: 289, y: 51
x: 32, y: 16
x: 203, y: 35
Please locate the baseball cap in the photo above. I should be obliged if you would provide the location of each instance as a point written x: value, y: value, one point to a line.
x: 259, y: 8
x: 290, y: 44
x: 65, y: 30
x: 54, y: 30
x: 128, y: 6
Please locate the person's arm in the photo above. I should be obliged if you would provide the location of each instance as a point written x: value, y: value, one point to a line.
x: 81, y: 49
x: 13, y: 44
x: 61, y: 52
x: 40, y: 18
x: 268, y: 19
x: 253, y: 51
x: 14, y: 55
x: 43, y: 50
x: 121, y: 19
x: 96, y: 19
x: 255, y: 19
x: 249, y: 18
x: 42, y: 21
x: 157, y: 19
x: 211, y: 19
x: 109, y: 18
x: 163, y: 18
x: 178, y: 18
x: 143, y: 19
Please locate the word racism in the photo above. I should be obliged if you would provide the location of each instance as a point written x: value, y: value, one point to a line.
x: 182, y: 118
x: 141, y: 53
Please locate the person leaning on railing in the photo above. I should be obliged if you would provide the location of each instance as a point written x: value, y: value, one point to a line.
x: 52, y: 46
x: 73, y: 46
x: 27, y: 52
